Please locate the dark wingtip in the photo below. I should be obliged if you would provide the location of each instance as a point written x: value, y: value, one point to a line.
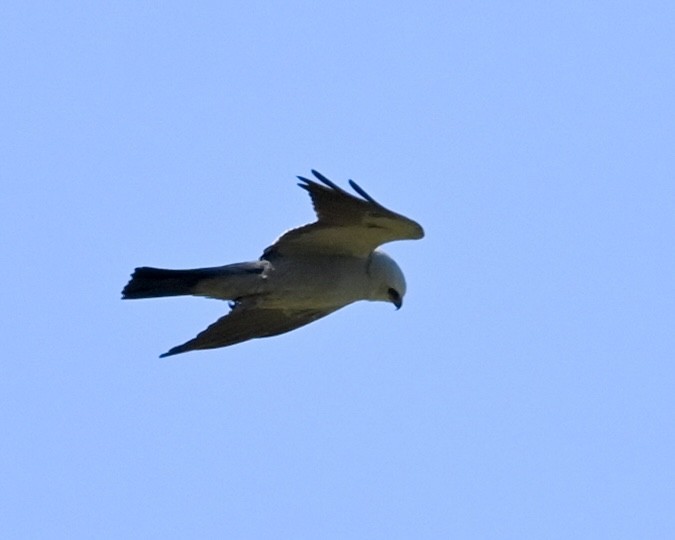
x: 171, y: 352
x: 363, y: 193
x: 306, y: 182
x: 319, y: 175
x: 325, y: 180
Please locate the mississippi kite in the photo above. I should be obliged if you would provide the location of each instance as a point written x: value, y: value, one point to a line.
x: 308, y: 273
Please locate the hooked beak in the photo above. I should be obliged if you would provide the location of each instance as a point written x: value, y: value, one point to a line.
x: 395, y: 298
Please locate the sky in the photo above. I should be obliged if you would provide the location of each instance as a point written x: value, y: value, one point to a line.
x: 525, y: 390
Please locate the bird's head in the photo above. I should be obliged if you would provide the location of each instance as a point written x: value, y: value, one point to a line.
x: 388, y: 283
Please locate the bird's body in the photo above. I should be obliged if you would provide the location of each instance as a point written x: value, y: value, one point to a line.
x: 306, y: 274
x: 313, y: 281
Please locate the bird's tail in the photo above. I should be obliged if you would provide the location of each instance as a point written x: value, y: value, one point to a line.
x: 224, y: 282
x: 147, y: 282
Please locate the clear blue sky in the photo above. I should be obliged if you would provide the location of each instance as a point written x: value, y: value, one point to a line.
x: 525, y: 391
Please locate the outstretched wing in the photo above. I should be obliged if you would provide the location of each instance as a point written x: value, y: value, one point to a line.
x: 244, y: 323
x: 346, y: 225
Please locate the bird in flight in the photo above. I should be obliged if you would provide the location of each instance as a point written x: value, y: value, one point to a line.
x: 308, y: 273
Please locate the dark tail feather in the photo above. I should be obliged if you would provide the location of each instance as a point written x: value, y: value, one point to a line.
x: 149, y: 282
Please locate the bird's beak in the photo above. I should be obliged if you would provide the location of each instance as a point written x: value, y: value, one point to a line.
x: 395, y: 298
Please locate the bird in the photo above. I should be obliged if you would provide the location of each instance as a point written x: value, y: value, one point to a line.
x: 307, y: 273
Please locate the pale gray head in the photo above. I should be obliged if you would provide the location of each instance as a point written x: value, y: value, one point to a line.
x: 388, y: 283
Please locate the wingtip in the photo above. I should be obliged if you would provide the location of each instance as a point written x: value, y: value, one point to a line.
x: 309, y: 184
x: 363, y: 193
x: 325, y: 180
x: 304, y: 182
x: 420, y: 232
x: 171, y: 352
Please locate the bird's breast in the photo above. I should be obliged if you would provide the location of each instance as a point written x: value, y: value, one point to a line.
x: 312, y: 282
